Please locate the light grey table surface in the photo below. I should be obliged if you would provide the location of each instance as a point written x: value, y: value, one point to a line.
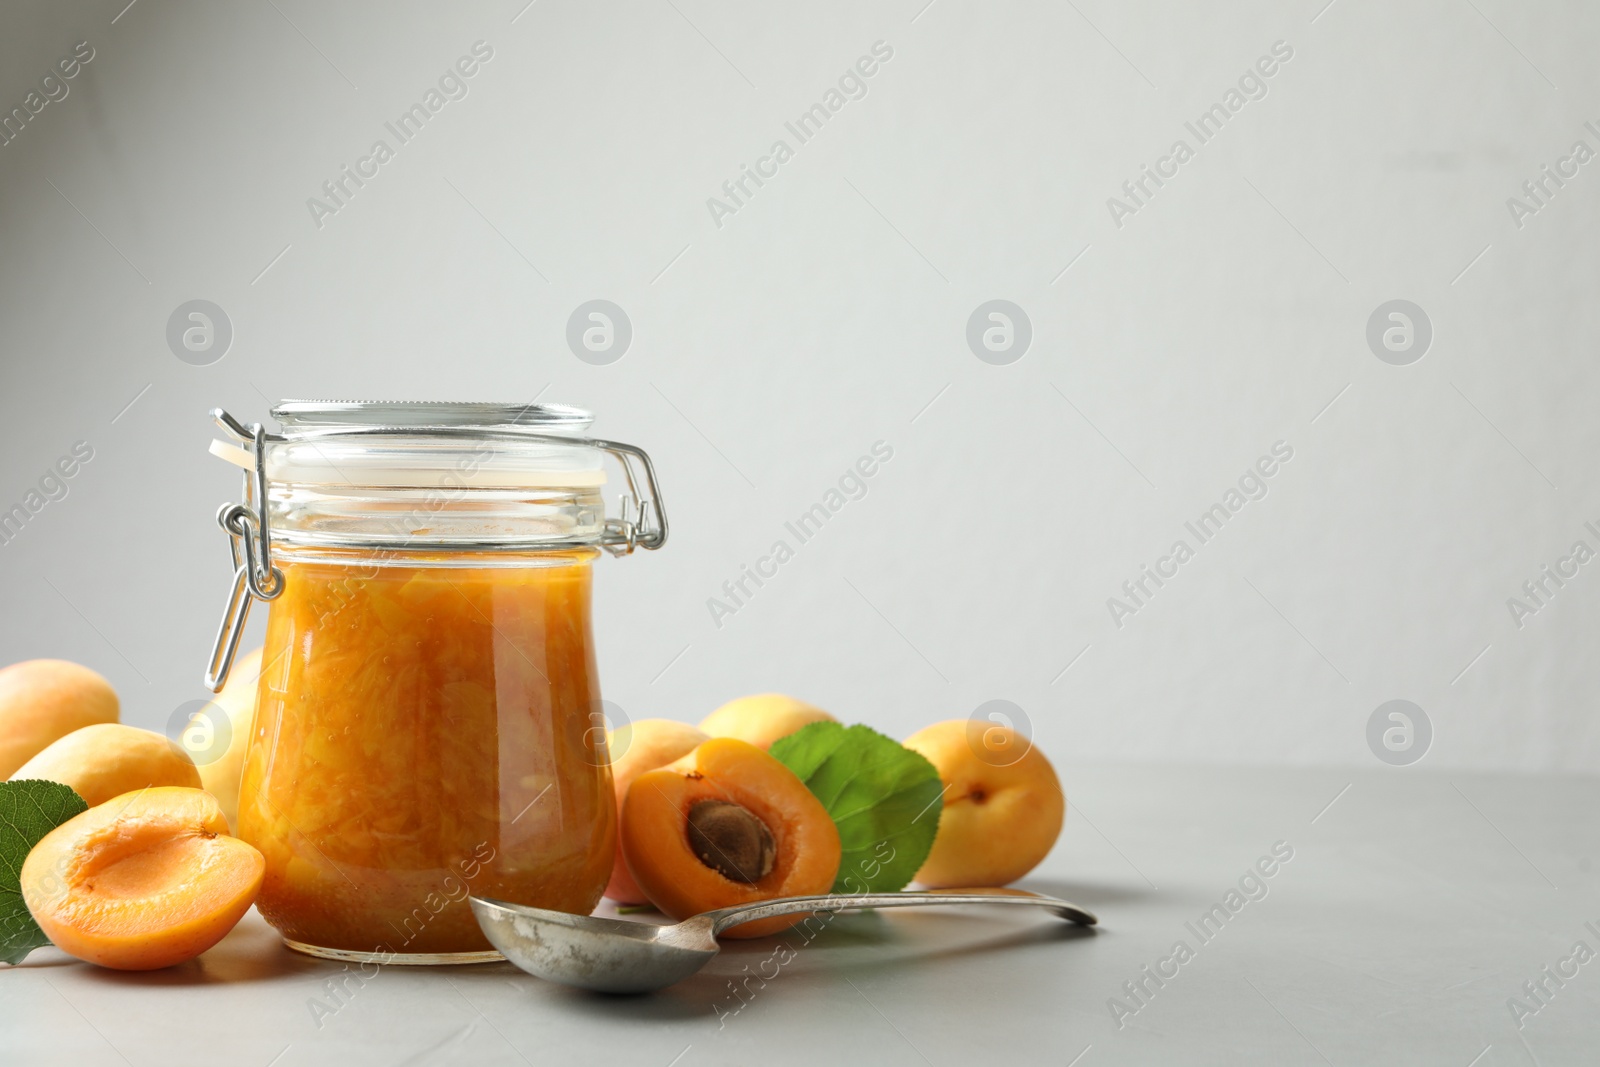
x: 1415, y: 907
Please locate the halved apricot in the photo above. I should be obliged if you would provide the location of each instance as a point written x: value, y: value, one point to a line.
x: 145, y: 880
x: 727, y: 824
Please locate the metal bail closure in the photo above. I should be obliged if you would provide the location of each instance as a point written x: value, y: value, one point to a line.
x: 254, y: 576
x: 623, y: 534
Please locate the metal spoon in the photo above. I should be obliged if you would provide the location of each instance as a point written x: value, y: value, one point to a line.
x: 616, y: 956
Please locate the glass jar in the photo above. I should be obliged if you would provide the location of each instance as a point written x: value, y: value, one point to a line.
x: 427, y: 722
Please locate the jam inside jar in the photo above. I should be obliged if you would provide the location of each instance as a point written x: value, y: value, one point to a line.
x: 428, y: 721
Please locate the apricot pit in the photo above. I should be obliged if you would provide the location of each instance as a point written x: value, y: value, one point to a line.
x: 730, y: 840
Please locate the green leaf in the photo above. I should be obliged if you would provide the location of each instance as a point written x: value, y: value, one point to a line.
x: 883, y: 797
x: 28, y: 810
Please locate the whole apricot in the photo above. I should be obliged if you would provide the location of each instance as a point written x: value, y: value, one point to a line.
x: 220, y: 772
x: 145, y: 880
x: 1003, y: 805
x: 43, y: 700
x: 763, y: 718
x: 108, y: 759
x: 636, y: 748
x: 727, y: 824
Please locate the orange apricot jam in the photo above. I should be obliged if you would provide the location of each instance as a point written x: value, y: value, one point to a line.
x: 423, y: 731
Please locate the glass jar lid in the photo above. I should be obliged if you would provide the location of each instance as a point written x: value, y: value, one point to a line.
x: 313, y: 415
x: 430, y: 445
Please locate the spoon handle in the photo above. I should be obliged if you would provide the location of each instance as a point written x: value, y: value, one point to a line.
x: 723, y: 918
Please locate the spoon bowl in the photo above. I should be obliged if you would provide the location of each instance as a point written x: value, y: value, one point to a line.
x: 617, y: 956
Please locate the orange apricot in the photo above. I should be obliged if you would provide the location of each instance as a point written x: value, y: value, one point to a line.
x: 636, y: 748
x: 1003, y: 804
x: 45, y: 699
x: 109, y: 759
x: 727, y: 824
x: 145, y: 880
x: 763, y: 718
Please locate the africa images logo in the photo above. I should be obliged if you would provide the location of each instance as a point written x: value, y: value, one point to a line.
x: 338, y: 191
x: 1252, y: 485
x: 852, y: 85
x: 852, y: 485
x: 1252, y: 85
x: 53, y: 89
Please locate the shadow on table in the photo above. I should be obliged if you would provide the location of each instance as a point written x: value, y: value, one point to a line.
x: 852, y: 945
x: 849, y: 943
x: 42, y: 960
x: 1091, y: 895
x: 251, y: 953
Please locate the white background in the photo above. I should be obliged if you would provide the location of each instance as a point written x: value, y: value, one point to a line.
x: 830, y: 313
